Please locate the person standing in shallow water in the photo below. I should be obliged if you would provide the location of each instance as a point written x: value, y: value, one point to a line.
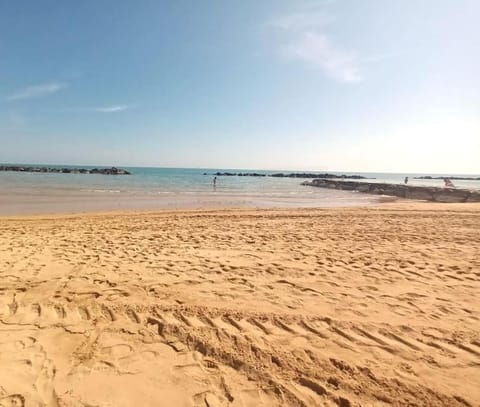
x: 214, y: 182
x: 448, y: 183
x: 406, y: 180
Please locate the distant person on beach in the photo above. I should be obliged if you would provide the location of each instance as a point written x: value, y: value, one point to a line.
x: 448, y: 183
x: 406, y: 180
x: 214, y: 182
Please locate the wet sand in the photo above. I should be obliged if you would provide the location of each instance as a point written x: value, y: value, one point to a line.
x: 66, y: 202
x: 301, y: 307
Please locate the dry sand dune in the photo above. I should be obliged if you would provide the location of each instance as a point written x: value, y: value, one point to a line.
x: 242, y: 308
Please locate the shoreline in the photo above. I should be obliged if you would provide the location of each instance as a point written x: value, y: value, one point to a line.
x: 88, y: 203
x: 388, y: 204
x: 159, y: 189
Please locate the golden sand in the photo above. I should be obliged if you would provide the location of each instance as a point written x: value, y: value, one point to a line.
x: 306, y: 307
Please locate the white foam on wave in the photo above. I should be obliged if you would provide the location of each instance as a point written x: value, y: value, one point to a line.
x: 111, y: 191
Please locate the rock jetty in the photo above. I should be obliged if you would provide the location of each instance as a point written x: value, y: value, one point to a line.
x: 435, y: 194
x: 103, y: 171
x: 310, y: 175
x: 282, y: 175
x: 450, y: 178
x: 238, y: 174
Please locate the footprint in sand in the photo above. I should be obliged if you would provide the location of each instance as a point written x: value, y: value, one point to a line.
x: 26, y: 362
x: 12, y: 400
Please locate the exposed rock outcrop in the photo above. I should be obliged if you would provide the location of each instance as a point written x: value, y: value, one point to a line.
x: 286, y: 175
x: 66, y: 170
x: 435, y: 194
x: 451, y: 178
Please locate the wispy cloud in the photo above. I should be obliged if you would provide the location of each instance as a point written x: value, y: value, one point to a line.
x: 101, y: 109
x: 318, y: 50
x: 304, y: 38
x: 36, y: 91
x: 113, y: 109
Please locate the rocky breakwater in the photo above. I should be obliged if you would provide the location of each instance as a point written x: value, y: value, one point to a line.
x: 434, y: 194
x: 66, y: 170
x: 454, y: 178
x: 286, y: 175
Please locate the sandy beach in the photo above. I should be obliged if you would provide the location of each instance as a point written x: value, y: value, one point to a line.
x: 292, y: 307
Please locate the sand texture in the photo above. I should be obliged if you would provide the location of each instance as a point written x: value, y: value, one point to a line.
x: 335, y: 307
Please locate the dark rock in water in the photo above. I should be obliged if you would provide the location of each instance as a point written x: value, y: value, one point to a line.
x: 114, y: 171
x: 422, y: 194
x: 474, y: 197
x: 313, y: 175
x: 363, y: 188
x: 435, y: 194
x: 347, y: 186
x: 225, y: 174
x: 451, y: 195
x: 291, y: 175
x: 396, y: 190
x: 105, y: 171
x: 450, y: 178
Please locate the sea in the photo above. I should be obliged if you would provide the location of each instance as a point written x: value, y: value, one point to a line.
x: 180, y: 188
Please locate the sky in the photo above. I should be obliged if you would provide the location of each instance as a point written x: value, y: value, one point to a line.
x: 372, y: 85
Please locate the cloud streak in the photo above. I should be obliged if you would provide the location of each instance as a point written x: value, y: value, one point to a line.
x: 113, y: 109
x: 37, y: 91
x: 101, y: 109
x: 304, y: 39
x: 317, y: 50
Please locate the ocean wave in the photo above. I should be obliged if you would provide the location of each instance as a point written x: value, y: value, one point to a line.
x: 111, y: 191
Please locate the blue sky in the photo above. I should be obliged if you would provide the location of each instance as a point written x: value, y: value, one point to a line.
x: 367, y: 85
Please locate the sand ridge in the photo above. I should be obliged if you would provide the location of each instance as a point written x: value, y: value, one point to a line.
x: 242, y: 307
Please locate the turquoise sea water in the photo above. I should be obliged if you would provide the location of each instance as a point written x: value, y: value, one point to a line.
x: 168, y: 188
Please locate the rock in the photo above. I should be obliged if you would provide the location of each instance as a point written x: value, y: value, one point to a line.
x: 449, y: 177
x: 114, y: 171
x: 435, y: 194
x: 451, y: 196
x: 107, y: 171
x: 474, y: 197
x: 291, y: 175
x: 395, y: 190
x: 422, y: 194
x: 319, y: 182
x: 347, y: 186
x: 225, y: 174
x: 363, y: 187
